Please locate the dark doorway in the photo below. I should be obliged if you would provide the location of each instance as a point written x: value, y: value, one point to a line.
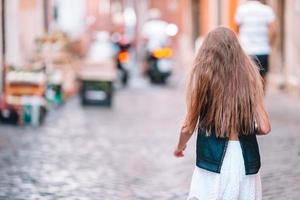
x: 195, y: 5
x: 46, y: 14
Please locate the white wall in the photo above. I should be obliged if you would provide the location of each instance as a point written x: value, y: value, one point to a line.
x: 71, y: 16
x: 22, y: 27
x: 31, y: 26
x: 292, y: 44
x: 12, y: 34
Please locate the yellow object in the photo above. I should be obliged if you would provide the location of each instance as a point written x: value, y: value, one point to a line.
x: 163, y: 53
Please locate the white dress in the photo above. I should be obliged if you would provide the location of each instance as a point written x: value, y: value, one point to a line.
x: 230, y: 184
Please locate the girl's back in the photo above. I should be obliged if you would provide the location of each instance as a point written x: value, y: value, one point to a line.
x: 225, y: 104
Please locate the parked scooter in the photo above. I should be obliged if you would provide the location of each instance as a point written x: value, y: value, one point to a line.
x: 157, y: 45
x: 123, y: 60
x: 159, y: 65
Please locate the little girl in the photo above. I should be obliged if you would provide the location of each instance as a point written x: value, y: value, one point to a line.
x: 225, y: 103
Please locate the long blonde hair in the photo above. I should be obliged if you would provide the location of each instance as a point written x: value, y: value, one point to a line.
x: 224, y: 87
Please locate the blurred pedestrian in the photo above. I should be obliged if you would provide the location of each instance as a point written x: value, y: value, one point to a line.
x: 101, y: 49
x: 256, y: 27
x: 225, y: 103
x: 153, y: 31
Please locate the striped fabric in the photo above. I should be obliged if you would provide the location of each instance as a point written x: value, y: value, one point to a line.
x: 253, y: 19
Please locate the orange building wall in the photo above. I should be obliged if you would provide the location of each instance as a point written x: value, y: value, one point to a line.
x: 232, y: 6
x: 204, y: 16
x: 28, y: 4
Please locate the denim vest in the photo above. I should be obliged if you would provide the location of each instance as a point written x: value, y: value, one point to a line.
x: 211, y: 151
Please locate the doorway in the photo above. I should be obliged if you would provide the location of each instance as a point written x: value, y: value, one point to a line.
x: 195, y: 6
x: 281, y: 31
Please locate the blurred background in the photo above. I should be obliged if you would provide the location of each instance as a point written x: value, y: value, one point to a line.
x: 92, y: 97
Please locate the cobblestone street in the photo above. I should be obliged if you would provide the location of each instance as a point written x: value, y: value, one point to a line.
x: 125, y: 153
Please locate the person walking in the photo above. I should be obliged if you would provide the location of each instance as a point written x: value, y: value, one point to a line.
x: 256, y: 27
x: 225, y: 104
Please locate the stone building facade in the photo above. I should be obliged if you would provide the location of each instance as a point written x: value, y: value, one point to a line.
x: 25, y: 20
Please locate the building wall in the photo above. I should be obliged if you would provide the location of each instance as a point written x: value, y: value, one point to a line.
x: 205, y: 18
x: 96, y: 9
x: 24, y: 22
x: 1, y: 50
x: 277, y: 56
x: 292, y: 43
x: 12, y: 38
x: 217, y: 12
x: 285, y: 56
x: 208, y: 15
x: 228, y: 11
x: 31, y: 26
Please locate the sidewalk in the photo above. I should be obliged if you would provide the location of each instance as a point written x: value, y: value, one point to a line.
x: 126, y: 153
x: 281, y: 149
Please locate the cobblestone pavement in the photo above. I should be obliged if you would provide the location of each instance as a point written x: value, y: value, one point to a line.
x: 125, y: 153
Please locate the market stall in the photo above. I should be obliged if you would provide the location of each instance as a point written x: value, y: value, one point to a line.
x: 61, y: 66
x: 24, y: 102
x: 49, y: 78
